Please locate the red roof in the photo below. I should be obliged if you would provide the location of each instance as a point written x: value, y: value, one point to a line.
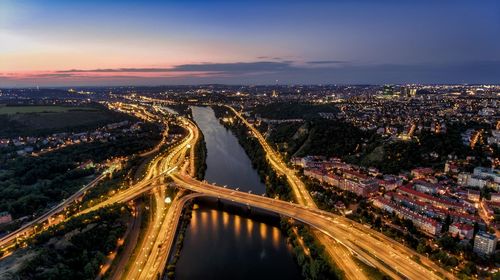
x: 408, y: 211
x: 356, y: 174
x: 463, y: 226
x: 413, y: 192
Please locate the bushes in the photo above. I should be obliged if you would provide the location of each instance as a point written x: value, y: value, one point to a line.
x: 276, y: 186
x: 185, y: 220
x: 33, y: 183
x: 200, y: 150
x: 79, y: 248
x: 317, y: 264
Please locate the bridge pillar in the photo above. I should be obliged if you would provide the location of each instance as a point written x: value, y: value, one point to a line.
x: 248, y: 209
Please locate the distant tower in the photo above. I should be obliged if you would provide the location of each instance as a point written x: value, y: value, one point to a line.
x: 413, y: 92
x: 388, y: 90
x: 405, y: 91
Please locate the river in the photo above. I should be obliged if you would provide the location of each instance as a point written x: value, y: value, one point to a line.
x: 227, y: 162
x: 222, y: 242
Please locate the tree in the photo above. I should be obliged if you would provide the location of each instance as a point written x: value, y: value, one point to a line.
x: 88, y: 271
x: 422, y: 247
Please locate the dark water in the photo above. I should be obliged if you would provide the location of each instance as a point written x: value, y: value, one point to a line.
x: 231, y: 245
x: 227, y: 162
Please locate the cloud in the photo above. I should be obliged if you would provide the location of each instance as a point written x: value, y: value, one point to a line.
x: 116, y: 70
x: 267, y: 72
x: 52, y: 75
x: 270, y: 57
x: 259, y: 66
x: 220, y: 68
x: 327, y: 62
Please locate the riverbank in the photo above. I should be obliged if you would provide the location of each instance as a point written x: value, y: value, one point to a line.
x: 276, y: 185
x: 200, y: 151
x: 200, y: 166
x: 227, y: 241
x: 317, y: 264
x: 179, y: 241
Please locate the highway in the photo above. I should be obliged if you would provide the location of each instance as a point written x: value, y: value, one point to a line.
x: 342, y: 256
x: 154, y: 173
x: 154, y: 253
x: 303, y: 197
x: 393, y: 258
x: 150, y: 233
x: 30, y: 227
x: 160, y: 167
x: 388, y: 255
x: 155, y: 261
x: 299, y: 189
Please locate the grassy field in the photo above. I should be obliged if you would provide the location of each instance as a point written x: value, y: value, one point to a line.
x: 10, y: 110
x: 44, y: 120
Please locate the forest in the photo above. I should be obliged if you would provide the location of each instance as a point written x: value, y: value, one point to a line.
x: 76, y: 249
x: 30, y: 184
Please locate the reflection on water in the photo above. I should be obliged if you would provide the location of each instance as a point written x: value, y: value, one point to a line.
x: 227, y: 162
x: 239, y: 248
x: 222, y: 245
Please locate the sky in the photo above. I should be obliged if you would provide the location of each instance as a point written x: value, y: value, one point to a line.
x: 167, y: 42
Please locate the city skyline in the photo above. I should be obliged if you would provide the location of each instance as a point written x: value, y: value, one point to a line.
x: 95, y: 43
x: 249, y: 139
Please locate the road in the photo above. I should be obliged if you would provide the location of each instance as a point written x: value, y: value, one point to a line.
x: 298, y: 188
x: 131, y: 239
x: 30, y: 227
x: 156, y: 171
x: 303, y: 197
x: 157, y: 258
x: 342, y: 256
x: 393, y: 258
x: 160, y: 167
x: 388, y: 255
x: 154, y: 253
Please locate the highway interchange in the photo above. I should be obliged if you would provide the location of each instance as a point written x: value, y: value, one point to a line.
x: 340, y: 235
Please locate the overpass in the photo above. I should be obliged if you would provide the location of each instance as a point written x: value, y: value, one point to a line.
x: 31, y: 227
x: 394, y: 259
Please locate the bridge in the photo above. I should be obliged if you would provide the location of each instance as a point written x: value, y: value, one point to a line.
x: 388, y: 255
x: 391, y: 257
x: 394, y: 259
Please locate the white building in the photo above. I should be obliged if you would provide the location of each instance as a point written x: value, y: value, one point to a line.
x: 485, y: 243
x: 482, y: 177
x: 495, y: 138
x: 486, y: 173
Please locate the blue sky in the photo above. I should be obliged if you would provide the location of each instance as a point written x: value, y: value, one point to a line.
x: 248, y: 42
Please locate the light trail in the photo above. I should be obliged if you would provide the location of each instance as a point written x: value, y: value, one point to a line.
x: 386, y: 254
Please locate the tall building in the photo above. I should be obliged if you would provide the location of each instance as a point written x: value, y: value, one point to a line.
x: 388, y: 90
x: 485, y: 243
x: 413, y: 92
